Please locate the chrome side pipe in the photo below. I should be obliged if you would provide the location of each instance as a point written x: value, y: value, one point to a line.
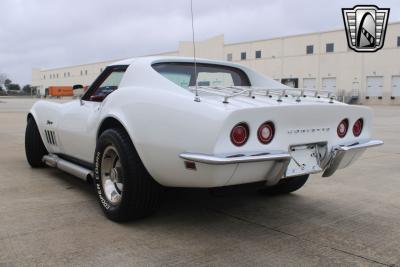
x: 67, y: 166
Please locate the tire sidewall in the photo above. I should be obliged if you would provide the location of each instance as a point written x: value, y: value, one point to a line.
x: 34, y: 146
x: 110, y: 137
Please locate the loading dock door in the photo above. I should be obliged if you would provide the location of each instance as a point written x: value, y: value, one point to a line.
x: 329, y: 84
x: 309, y: 83
x: 395, y: 85
x: 374, y: 86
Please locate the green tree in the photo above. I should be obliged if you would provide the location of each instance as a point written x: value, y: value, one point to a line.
x: 13, y: 87
x: 27, y: 89
x: 7, y: 83
x: 2, y: 91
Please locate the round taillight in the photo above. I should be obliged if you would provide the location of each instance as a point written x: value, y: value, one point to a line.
x: 342, y: 128
x: 266, y: 132
x: 240, y: 134
x: 357, y: 127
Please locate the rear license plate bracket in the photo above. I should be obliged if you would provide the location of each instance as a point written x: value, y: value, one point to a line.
x: 305, y: 159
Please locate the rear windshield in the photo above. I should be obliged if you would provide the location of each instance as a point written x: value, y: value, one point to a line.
x: 182, y: 74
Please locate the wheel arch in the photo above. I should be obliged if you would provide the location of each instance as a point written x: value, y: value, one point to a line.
x: 30, y: 115
x: 34, y: 113
x: 111, y: 122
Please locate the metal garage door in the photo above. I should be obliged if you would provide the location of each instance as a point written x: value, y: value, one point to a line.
x: 374, y: 86
x: 329, y: 84
x: 395, y: 85
x: 309, y: 83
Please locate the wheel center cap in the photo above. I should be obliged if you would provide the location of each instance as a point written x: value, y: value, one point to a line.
x: 114, y: 175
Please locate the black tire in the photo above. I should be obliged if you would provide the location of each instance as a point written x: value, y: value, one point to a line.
x: 140, y: 195
x: 286, y: 186
x: 34, y: 147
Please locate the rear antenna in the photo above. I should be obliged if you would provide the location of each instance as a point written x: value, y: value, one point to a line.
x: 196, y: 98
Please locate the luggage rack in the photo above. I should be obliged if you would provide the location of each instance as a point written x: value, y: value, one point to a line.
x: 232, y: 91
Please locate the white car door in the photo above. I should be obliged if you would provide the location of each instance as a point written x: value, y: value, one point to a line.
x: 75, y: 129
x: 79, y: 122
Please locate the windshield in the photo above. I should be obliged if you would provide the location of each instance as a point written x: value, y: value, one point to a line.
x: 182, y: 74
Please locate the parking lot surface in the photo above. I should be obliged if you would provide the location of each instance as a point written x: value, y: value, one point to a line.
x: 353, y: 218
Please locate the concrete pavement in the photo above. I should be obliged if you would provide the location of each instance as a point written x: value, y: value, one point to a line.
x: 50, y: 218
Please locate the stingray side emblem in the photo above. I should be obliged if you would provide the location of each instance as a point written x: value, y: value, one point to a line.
x: 365, y: 27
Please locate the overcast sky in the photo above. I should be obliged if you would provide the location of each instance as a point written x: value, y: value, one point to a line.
x: 56, y: 33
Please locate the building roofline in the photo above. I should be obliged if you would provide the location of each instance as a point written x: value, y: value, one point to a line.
x: 225, y: 44
x: 79, y: 65
x: 294, y: 35
x: 104, y: 61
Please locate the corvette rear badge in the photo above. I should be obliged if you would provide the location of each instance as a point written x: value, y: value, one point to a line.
x: 365, y: 27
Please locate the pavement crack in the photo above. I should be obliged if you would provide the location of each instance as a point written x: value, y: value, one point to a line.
x: 360, y: 256
x: 297, y: 237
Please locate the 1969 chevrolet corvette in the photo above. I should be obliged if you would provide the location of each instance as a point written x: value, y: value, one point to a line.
x: 155, y: 122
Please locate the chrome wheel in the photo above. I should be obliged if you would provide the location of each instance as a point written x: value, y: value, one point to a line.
x: 111, y: 175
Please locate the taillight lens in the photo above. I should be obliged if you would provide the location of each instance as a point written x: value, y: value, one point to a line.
x: 357, y: 127
x: 342, y: 128
x: 266, y: 132
x: 240, y: 134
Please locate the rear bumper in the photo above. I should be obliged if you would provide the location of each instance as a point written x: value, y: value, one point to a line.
x: 343, y: 156
x: 250, y: 167
x: 231, y: 159
x: 272, y: 166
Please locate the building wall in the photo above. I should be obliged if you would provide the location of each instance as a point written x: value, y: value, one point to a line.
x: 285, y: 58
x: 69, y: 76
x: 282, y: 58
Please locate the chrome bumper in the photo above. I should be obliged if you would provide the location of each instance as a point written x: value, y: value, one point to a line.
x: 232, y: 159
x: 343, y: 156
x: 280, y: 162
x: 339, y: 157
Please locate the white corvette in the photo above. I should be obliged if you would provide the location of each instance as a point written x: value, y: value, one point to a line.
x: 144, y: 124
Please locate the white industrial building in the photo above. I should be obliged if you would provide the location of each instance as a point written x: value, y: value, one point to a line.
x: 316, y: 60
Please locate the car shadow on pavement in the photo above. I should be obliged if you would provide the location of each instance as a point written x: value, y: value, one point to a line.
x: 183, y: 202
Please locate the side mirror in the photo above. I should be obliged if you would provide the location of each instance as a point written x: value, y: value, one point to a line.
x: 77, y: 86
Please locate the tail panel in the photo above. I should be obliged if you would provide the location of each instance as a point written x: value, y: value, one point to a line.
x: 295, y: 125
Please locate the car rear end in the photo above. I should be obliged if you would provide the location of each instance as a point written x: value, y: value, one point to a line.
x: 247, y: 128
x: 280, y: 140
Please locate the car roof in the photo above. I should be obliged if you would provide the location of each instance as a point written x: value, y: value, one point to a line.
x: 159, y: 59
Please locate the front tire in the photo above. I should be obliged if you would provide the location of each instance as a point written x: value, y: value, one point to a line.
x: 34, y: 147
x: 286, y: 186
x: 125, y: 189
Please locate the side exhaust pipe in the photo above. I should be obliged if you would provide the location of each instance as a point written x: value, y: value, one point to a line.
x: 68, y: 167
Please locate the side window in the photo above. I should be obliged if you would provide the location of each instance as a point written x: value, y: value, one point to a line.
x: 105, y: 84
x: 110, y: 84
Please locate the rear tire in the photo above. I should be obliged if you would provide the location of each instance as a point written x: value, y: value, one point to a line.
x: 286, y: 186
x: 124, y: 188
x: 34, y: 147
